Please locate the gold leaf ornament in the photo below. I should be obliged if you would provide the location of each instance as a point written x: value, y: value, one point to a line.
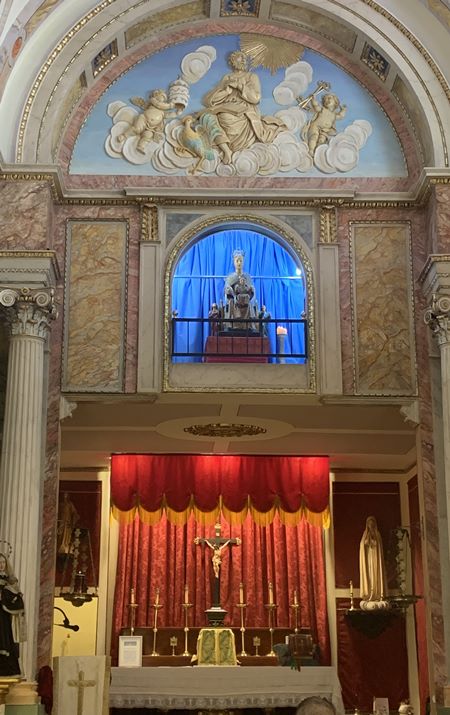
x: 271, y: 53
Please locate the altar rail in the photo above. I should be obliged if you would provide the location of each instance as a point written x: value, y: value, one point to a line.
x: 275, y: 339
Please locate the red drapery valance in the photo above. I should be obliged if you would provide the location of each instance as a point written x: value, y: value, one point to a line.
x: 180, y: 484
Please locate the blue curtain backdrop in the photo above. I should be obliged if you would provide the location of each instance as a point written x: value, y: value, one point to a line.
x: 199, y: 280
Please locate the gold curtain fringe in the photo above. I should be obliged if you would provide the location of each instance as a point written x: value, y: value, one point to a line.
x: 207, y: 518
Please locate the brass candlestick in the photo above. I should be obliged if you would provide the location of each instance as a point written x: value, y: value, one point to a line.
x: 186, y: 607
x: 156, y: 606
x: 242, y: 607
x: 352, y: 605
x: 132, y: 606
x: 271, y: 608
x: 173, y: 643
x: 295, y: 607
x: 256, y: 643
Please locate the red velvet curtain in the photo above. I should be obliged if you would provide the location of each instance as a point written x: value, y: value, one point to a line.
x: 296, y: 486
x: 164, y: 556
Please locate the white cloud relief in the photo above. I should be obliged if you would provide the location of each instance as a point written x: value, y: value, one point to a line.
x: 287, y: 153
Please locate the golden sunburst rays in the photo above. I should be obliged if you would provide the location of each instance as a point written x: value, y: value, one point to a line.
x: 270, y: 52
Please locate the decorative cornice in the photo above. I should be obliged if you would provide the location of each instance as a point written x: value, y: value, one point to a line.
x: 30, y: 310
x: 32, y: 256
x: 309, y: 198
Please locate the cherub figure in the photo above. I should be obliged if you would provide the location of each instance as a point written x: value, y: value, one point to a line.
x: 150, y: 123
x: 322, y: 125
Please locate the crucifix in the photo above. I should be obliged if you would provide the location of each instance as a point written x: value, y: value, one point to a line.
x: 81, y: 684
x: 217, y: 543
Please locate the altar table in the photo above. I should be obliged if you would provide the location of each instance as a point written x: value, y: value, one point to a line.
x: 221, y: 687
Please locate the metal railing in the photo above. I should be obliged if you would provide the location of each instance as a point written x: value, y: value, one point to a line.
x: 278, y: 340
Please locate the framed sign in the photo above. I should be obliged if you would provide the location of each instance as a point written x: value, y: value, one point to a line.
x: 130, y: 651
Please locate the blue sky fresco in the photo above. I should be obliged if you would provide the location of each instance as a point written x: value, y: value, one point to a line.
x: 381, y: 156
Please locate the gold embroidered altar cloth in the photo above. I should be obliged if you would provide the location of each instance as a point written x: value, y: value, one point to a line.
x: 216, y: 646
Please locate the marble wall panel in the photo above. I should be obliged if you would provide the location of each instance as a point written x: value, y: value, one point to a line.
x: 441, y: 196
x: 95, y: 306
x: 131, y: 215
x: 25, y: 218
x: 382, y: 306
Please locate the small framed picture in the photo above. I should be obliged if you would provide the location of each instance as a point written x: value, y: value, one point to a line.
x: 381, y: 706
x: 130, y: 651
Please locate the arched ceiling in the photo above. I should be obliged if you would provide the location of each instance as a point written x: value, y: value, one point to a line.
x: 58, y: 56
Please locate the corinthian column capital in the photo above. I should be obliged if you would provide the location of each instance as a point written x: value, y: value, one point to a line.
x: 29, y: 310
x: 437, y: 317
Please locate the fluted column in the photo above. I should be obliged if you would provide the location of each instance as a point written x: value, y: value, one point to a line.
x: 29, y: 314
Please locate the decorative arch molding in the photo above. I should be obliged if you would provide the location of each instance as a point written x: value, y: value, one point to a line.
x: 416, y: 68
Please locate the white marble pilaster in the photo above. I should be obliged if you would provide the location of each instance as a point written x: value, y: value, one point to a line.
x: 29, y: 312
x: 330, y: 351
x: 150, y: 349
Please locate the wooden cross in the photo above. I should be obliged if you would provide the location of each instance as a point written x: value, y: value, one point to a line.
x: 217, y: 543
x: 81, y: 684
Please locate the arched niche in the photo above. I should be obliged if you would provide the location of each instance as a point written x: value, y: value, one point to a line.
x: 302, y: 234
x: 275, y: 274
x: 159, y: 264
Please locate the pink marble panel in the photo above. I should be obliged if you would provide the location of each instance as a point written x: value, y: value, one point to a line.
x: 165, y: 39
x: 25, y: 217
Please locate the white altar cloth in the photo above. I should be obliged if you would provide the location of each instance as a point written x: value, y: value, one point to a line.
x: 221, y: 687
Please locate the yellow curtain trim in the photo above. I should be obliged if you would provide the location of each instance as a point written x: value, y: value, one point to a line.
x: 206, y: 518
x: 263, y: 518
x: 291, y: 518
x: 149, y: 517
x: 235, y: 518
x: 179, y: 518
x: 123, y: 517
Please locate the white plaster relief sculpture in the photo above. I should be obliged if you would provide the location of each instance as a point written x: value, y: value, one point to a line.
x: 229, y: 135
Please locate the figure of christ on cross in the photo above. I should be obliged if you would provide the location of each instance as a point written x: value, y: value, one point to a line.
x: 217, y: 543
